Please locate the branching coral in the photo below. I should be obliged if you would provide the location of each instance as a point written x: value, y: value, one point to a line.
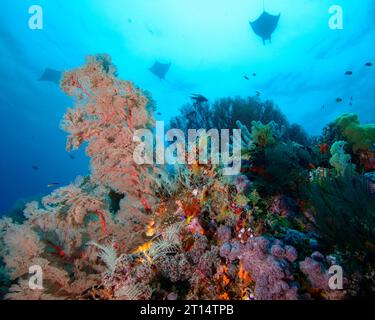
x: 53, y: 237
x: 23, y: 248
x: 107, y: 112
x: 56, y: 233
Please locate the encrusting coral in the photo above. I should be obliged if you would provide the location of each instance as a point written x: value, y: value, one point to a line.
x: 131, y: 231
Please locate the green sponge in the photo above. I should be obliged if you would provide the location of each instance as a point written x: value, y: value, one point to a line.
x: 360, y: 136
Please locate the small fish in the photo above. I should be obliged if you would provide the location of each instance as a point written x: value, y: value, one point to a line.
x: 35, y: 167
x: 159, y: 113
x: 323, y: 107
x: 311, y: 166
x: 338, y: 100
x: 130, y: 20
x: 368, y: 64
x: 71, y: 157
x: 254, y: 74
x: 149, y: 30
x: 350, y: 103
x: 58, y: 250
x: 257, y: 93
x: 246, y: 77
x: 198, y: 98
x: 349, y: 73
x: 53, y: 184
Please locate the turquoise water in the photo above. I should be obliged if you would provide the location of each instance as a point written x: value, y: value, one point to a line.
x: 210, y: 46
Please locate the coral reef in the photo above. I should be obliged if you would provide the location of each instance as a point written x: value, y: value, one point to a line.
x: 129, y: 231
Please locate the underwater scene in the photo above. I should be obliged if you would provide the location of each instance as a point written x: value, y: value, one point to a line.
x: 187, y: 150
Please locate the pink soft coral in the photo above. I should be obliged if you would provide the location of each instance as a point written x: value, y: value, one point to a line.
x: 107, y: 112
x: 268, y: 262
x: 316, y: 270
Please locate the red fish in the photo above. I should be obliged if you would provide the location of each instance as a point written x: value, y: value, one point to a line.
x: 311, y: 166
x: 323, y: 148
x: 102, y: 221
x: 59, y: 251
x: 260, y: 170
x: 240, y: 224
x: 236, y: 210
x: 145, y: 205
x: 130, y: 120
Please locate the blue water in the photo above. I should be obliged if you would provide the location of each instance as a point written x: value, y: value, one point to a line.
x: 211, y: 47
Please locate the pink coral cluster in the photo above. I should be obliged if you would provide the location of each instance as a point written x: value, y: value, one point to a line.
x: 269, y: 264
x: 58, y: 231
x: 315, y: 268
x: 107, y: 112
x: 53, y: 238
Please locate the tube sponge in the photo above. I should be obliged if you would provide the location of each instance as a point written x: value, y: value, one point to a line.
x: 361, y: 136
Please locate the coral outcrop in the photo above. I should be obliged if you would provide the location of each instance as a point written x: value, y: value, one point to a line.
x: 129, y: 231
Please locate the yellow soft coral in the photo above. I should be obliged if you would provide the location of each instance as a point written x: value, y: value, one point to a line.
x: 361, y: 136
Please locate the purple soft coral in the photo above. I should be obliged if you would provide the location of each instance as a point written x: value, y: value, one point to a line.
x: 269, y: 266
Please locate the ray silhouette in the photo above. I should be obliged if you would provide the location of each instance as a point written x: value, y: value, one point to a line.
x: 51, y: 75
x: 265, y: 25
x: 160, y: 69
